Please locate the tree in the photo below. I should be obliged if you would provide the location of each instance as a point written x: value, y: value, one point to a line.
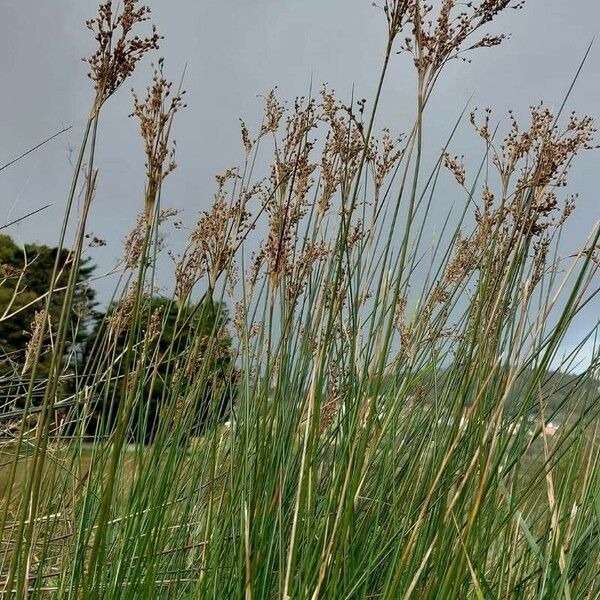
x: 25, y: 274
x: 181, y: 352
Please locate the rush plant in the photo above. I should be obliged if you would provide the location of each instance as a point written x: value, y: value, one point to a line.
x: 394, y: 399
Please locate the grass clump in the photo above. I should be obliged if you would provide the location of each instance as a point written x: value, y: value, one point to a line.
x: 389, y: 398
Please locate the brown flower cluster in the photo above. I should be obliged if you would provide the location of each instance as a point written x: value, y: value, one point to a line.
x: 397, y: 14
x: 319, y: 147
x: 539, y: 156
x: 155, y: 114
x: 37, y: 331
x: 456, y: 167
x: 217, y: 236
x: 532, y: 163
x: 332, y: 400
x: 386, y: 160
x: 438, y: 38
x: 345, y: 145
x: 284, y: 196
x: 119, y: 49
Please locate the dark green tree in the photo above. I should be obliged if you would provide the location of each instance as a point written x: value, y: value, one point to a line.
x: 180, y: 353
x: 25, y: 276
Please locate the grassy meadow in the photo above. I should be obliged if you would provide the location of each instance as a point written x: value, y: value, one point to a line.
x: 330, y: 404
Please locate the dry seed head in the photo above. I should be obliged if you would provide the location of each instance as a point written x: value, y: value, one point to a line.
x: 155, y: 324
x: 456, y: 167
x: 397, y: 14
x: 400, y: 312
x: 355, y: 235
x: 286, y: 200
x: 466, y: 259
x: 239, y: 318
x: 254, y: 271
x: 539, y: 156
x: 188, y: 271
x: 119, y: 49
x: 330, y: 181
x: 386, y: 160
x: 120, y: 317
x: 540, y: 256
x: 441, y: 35
x: 134, y: 243
x: 329, y: 410
x: 302, y: 268
x: 232, y: 278
x: 246, y: 141
x: 345, y: 138
x: 35, y: 338
x: 542, y: 144
x: 568, y: 209
x: 330, y: 406
x: 155, y: 114
x: 218, y: 234
x: 273, y: 113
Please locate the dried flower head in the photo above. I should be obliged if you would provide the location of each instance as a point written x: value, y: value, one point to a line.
x: 456, y: 167
x: 155, y: 114
x: 438, y: 38
x: 119, y: 317
x: 134, y: 243
x: 155, y: 324
x: 218, y: 234
x: 273, y: 113
x: 247, y: 142
x: 386, y: 159
x: 119, y: 49
x: 35, y: 340
x: 397, y: 14
x: 538, y: 158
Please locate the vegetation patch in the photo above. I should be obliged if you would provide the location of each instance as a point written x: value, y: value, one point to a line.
x: 328, y: 403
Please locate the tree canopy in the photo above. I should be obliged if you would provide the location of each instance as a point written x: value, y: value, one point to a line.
x: 184, y: 352
x: 25, y: 278
x: 182, y: 347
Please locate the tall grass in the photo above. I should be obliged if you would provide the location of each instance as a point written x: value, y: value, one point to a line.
x: 388, y: 436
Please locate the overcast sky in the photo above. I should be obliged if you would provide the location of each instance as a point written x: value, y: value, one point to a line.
x: 236, y: 50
